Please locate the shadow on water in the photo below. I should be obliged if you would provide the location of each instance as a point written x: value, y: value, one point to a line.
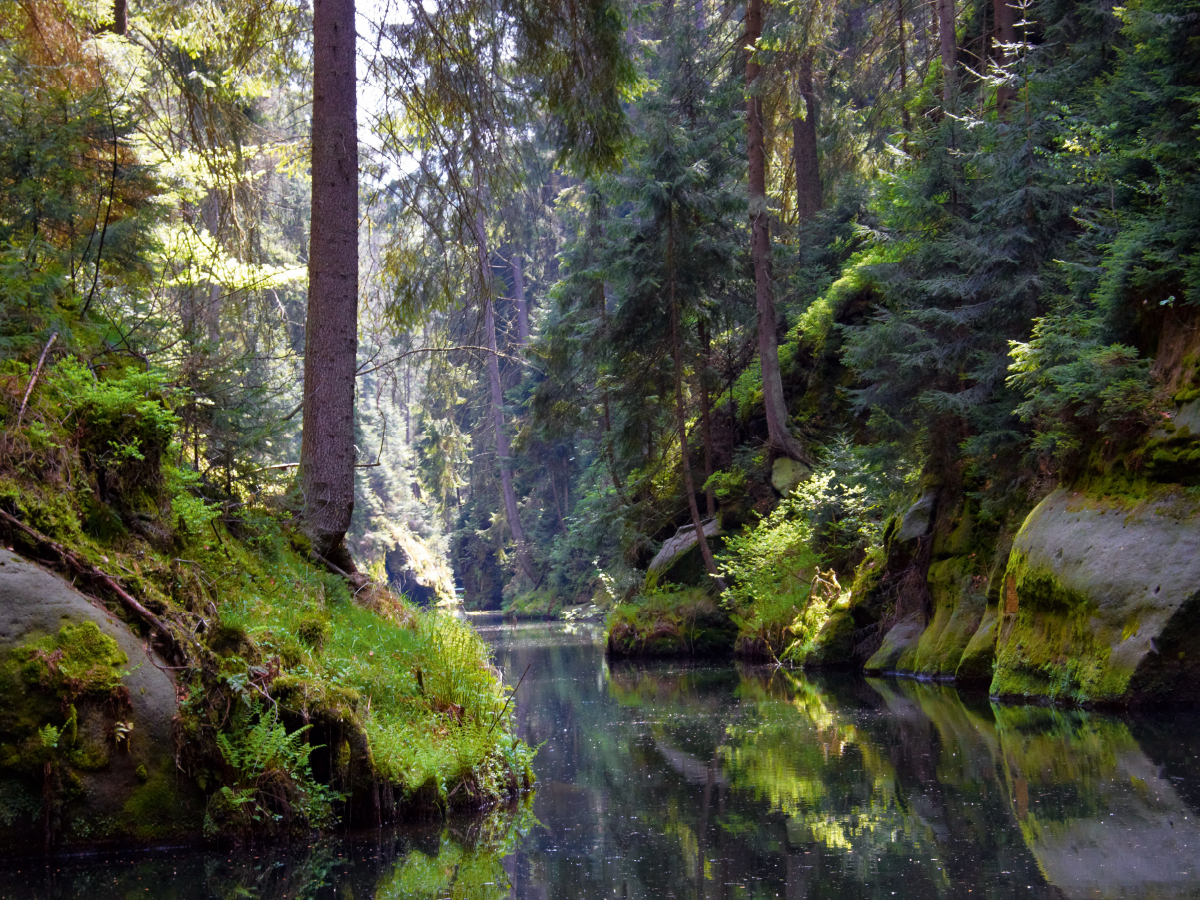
x: 716, y: 780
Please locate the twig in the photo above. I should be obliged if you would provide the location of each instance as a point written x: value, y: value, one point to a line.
x: 506, y: 702
x: 32, y: 381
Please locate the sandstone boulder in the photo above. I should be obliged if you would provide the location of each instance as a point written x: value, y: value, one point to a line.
x: 1101, y: 600
x: 87, y: 751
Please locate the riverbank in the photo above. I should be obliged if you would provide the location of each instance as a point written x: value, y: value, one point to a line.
x: 176, y: 665
x: 657, y: 776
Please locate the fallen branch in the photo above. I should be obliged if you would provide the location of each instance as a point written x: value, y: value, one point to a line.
x: 33, y: 380
x: 86, y: 569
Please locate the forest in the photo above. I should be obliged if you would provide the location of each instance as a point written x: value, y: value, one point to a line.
x: 856, y: 334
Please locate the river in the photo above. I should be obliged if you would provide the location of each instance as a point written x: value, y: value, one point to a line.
x: 718, y: 780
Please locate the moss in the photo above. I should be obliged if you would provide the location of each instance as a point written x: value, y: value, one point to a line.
x: 1051, y: 645
x: 977, y: 663
x: 89, y: 757
x: 307, y: 695
x: 684, y: 623
x: 313, y: 631
x: 834, y: 647
x: 101, y: 523
x: 230, y: 640
x: 43, y: 508
x: 959, y: 604
x: 1171, y: 456
x: 157, y: 808
x: 78, y: 661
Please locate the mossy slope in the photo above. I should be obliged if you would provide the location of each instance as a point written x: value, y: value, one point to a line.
x: 295, y: 703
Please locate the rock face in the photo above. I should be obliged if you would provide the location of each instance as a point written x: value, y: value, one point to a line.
x: 1101, y: 600
x: 87, y: 751
x: 416, y: 569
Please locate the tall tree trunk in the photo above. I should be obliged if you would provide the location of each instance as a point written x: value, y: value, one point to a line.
x: 604, y: 403
x: 120, y: 16
x: 493, y: 365
x: 689, y: 485
x: 699, y: 15
x: 809, y: 199
x: 706, y: 418
x: 518, y: 274
x: 1006, y: 34
x: 903, y: 42
x: 562, y: 523
x: 779, y: 437
x: 947, y: 38
x: 331, y: 328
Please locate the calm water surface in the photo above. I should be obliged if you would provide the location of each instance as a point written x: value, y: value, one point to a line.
x: 723, y: 781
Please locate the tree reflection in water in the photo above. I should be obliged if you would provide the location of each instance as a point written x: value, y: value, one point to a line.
x: 720, y: 781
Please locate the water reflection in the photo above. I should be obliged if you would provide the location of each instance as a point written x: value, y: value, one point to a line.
x: 720, y: 781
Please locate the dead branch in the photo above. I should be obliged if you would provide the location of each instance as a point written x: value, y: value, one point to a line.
x: 33, y: 380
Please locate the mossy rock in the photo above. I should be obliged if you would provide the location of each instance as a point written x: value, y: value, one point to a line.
x: 976, y: 665
x: 958, y: 607
x: 788, y: 474
x: 689, y: 623
x: 833, y: 647
x: 918, y: 519
x: 900, y: 642
x: 1101, y: 601
x: 81, y: 695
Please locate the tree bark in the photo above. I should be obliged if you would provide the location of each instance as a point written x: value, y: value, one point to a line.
x: 1006, y: 34
x: 519, y: 296
x: 947, y: 38
x: 562, y: 522
x: 903, y: 42
x: 331, y: 329
x: 706, y: 418
x: 604, y: 403
x: 779, y: 438
x: 689, y: 486
x: 809, y: 195
x: 120, y: 16
x: 493, y: 365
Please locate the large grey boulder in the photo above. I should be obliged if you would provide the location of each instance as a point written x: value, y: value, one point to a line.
x: 1101, y: 600
x: 112, y: 769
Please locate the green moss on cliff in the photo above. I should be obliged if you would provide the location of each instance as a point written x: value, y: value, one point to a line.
x: 1050, y: 642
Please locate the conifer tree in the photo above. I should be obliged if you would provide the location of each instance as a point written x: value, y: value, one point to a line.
x: 331, y: 333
